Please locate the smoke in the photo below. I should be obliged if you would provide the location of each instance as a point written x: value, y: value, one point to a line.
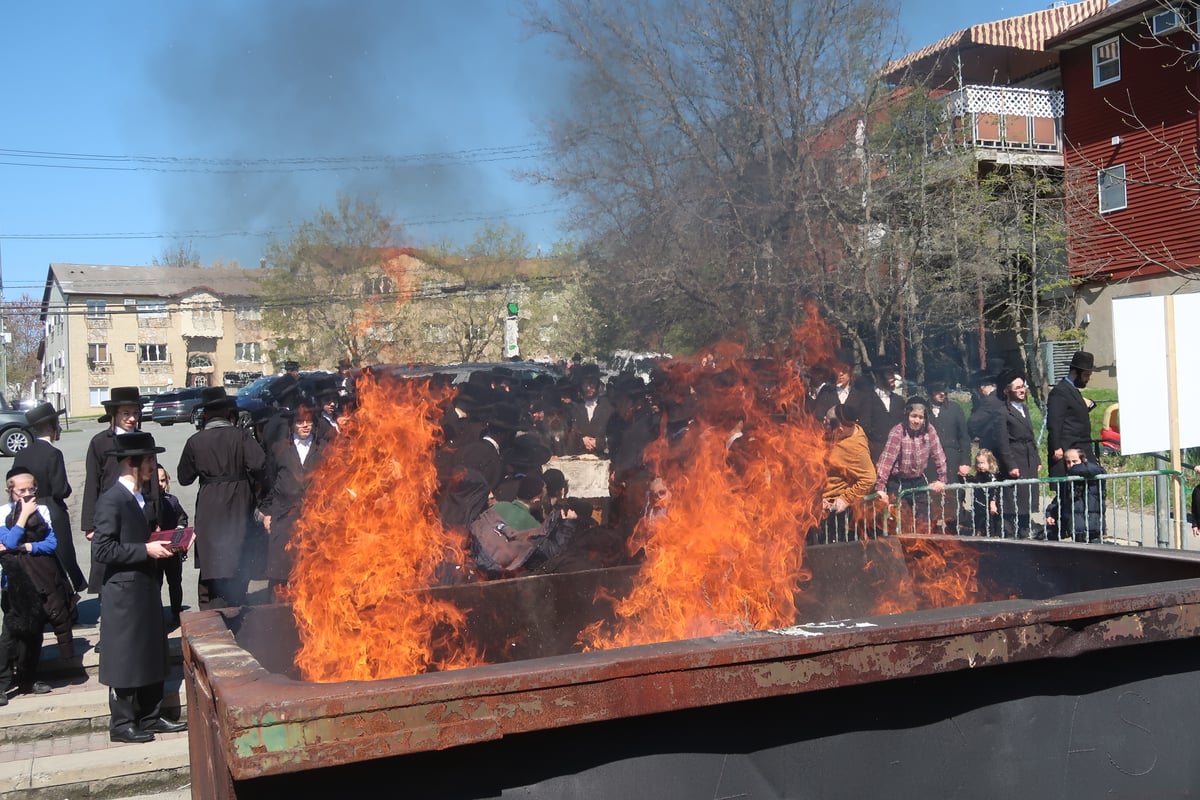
x: 320, y: 79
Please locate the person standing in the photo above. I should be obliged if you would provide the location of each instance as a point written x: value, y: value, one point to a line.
x: 230, y: 466
x: 951, y: 426
x: 912, y: 447
x: 987, y: 412
x: 881, y: 409
x: 123, y: 413
x: 1068, y: 424
x: 133, y: 659
x: 589, y: 417
x: 45, y: 462
x: 1017, y: 454
x: 289, y: 469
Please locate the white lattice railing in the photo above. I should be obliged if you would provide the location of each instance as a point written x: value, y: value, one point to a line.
x: 1008, y: 117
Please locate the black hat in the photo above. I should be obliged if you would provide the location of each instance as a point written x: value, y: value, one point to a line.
x: 983, y: 377
x: 344, y: 364
x: 585, y: 373
x: 15, y: 471
x: 214, y: 399
x: 42, y: 413
x: 505, y: 417
x: 136, y: 443
x: 123, y: 396
x: 934, y: 387
x: 527, y: 450
x: 1008, y: 376
x: 291, y: 366
x: 886, y: 367
x: 1082, y: 360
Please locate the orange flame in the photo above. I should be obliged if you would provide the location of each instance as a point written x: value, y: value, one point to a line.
x: 368, y: 536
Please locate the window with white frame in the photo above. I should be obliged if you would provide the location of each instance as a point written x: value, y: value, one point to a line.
x: 97, y: 395
x: 1165, y: 21
x: 1112, y: 188
x: 98, y: 353
x: 97, y: 309
x: 247, y: 351
x: 152, y: 354
x: 152, y: 309
x: 1106, y: 61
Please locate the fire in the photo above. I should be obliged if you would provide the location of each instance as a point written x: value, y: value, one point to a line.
x: 369, y: 535
x: 727, y: 550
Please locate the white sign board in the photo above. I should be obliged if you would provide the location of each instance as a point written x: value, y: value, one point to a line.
x: 1140, y: 346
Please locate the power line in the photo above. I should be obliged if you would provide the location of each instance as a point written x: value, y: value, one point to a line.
x: 546, y: 208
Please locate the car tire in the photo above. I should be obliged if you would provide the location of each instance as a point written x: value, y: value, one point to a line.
x: 166, y: 422
x: 13, y: 440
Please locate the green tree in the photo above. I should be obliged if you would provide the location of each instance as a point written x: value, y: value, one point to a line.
x: 333, y: 289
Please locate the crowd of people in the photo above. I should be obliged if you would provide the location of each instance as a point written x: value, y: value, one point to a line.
x: 499, y: 434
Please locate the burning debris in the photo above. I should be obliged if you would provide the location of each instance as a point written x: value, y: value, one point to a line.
x: 739, y: 466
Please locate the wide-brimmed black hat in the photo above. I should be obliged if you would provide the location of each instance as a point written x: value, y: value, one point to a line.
x: 215, y: 399
x: 1008, y: 376
x: 123, y: 396
x: 1083, y: 360
x: 136, y: 443
x: 527, y: 450
x: 983, y: 377
x: 505, y: 417
x: 291, y: 366
x: 44, y: 412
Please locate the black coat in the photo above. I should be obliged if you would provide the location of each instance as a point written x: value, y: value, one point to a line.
x: 133, y: 635
x: 987, y: 422
x: 230, y: 466
x: 101, y: 471
x: 951, y: 426
x: 876, y: 420
x: 1017, y: 449
x: 1067, y: 424
x: 597, y: 426
x: 288, y: 481
x: 49, y: 469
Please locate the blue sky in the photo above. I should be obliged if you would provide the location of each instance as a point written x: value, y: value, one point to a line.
x: 121, y: 119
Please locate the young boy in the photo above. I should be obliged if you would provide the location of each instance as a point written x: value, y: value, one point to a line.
x: 1078, y: 508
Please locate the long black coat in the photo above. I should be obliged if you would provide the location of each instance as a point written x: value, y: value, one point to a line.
x: 49, y: 469
x: 101, y: 471
x: 230, y: 466
x: 951, y: 426
x: 133, y: 635
x: 1067, y: 424
x: 288, y: 481
x: 876, y: 420
x: 1017, y: 449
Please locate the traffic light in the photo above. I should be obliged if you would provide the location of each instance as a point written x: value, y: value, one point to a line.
x: 512, y: 309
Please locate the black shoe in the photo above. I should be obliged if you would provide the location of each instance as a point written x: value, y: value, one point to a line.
x: 3, y: 698
x: 161, y: 725
x: 129, y: 734
x: 37, y: 687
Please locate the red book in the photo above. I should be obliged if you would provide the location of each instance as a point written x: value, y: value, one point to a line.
x: 179, y: 539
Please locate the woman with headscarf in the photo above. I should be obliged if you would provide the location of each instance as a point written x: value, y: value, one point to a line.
x: 910, y: 448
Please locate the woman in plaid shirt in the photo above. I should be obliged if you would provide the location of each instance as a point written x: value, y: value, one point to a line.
x: 910, y: 447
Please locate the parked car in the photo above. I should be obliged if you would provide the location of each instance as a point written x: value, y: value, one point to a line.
x: 147, y: 406
x: 256, y: 400
x: 14, y: 435
x: 180, y: 405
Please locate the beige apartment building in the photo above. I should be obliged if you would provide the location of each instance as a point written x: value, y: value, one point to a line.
x: 157, y: 328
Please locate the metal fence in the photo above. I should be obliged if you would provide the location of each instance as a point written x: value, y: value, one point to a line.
x: 1129, y: 508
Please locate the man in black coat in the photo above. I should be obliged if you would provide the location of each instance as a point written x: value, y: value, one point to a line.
x: 1017, y: 454
x: 231, y: 467
x: 133, y: 661
x: 589, y: 416
x: 880, y: 409
x: 987, y: 412
x: 1068, y: 425
x: 45, y: 462
x: 123, y: 413
x: 951, y: 426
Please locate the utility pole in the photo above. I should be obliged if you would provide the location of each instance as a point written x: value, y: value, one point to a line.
x: 4, y: 337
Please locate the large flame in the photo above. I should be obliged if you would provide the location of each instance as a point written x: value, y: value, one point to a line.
x: 726, y: 549
x: 369, y: 535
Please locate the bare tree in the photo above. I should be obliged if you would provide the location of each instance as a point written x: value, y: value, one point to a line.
x: 180, y: 254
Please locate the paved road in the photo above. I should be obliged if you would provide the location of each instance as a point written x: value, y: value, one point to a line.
x: 74, y: 444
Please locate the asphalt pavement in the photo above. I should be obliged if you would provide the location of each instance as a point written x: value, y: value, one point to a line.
x: 73, y: 444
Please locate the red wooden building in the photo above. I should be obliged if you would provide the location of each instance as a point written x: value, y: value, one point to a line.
x: 1130, y: 130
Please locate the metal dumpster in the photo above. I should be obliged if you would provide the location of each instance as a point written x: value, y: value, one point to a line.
x: 1075, y: 674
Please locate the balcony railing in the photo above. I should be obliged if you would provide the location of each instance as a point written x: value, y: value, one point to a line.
x: 1007, y: 118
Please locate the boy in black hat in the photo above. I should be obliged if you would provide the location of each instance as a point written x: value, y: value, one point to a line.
x: 133, y: 661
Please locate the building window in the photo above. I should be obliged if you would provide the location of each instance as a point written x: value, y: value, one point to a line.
x: 1112, y: 188
x: 97, y: 395
x: 247, y: 351
x: 1106, y: 61
x: 244, y: 311
x: 204, y: 316
x: 1165, y: 21
x: 98, y: 353
x: 152, y: 354
x: 152, y: 309
x: 97, y: 309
